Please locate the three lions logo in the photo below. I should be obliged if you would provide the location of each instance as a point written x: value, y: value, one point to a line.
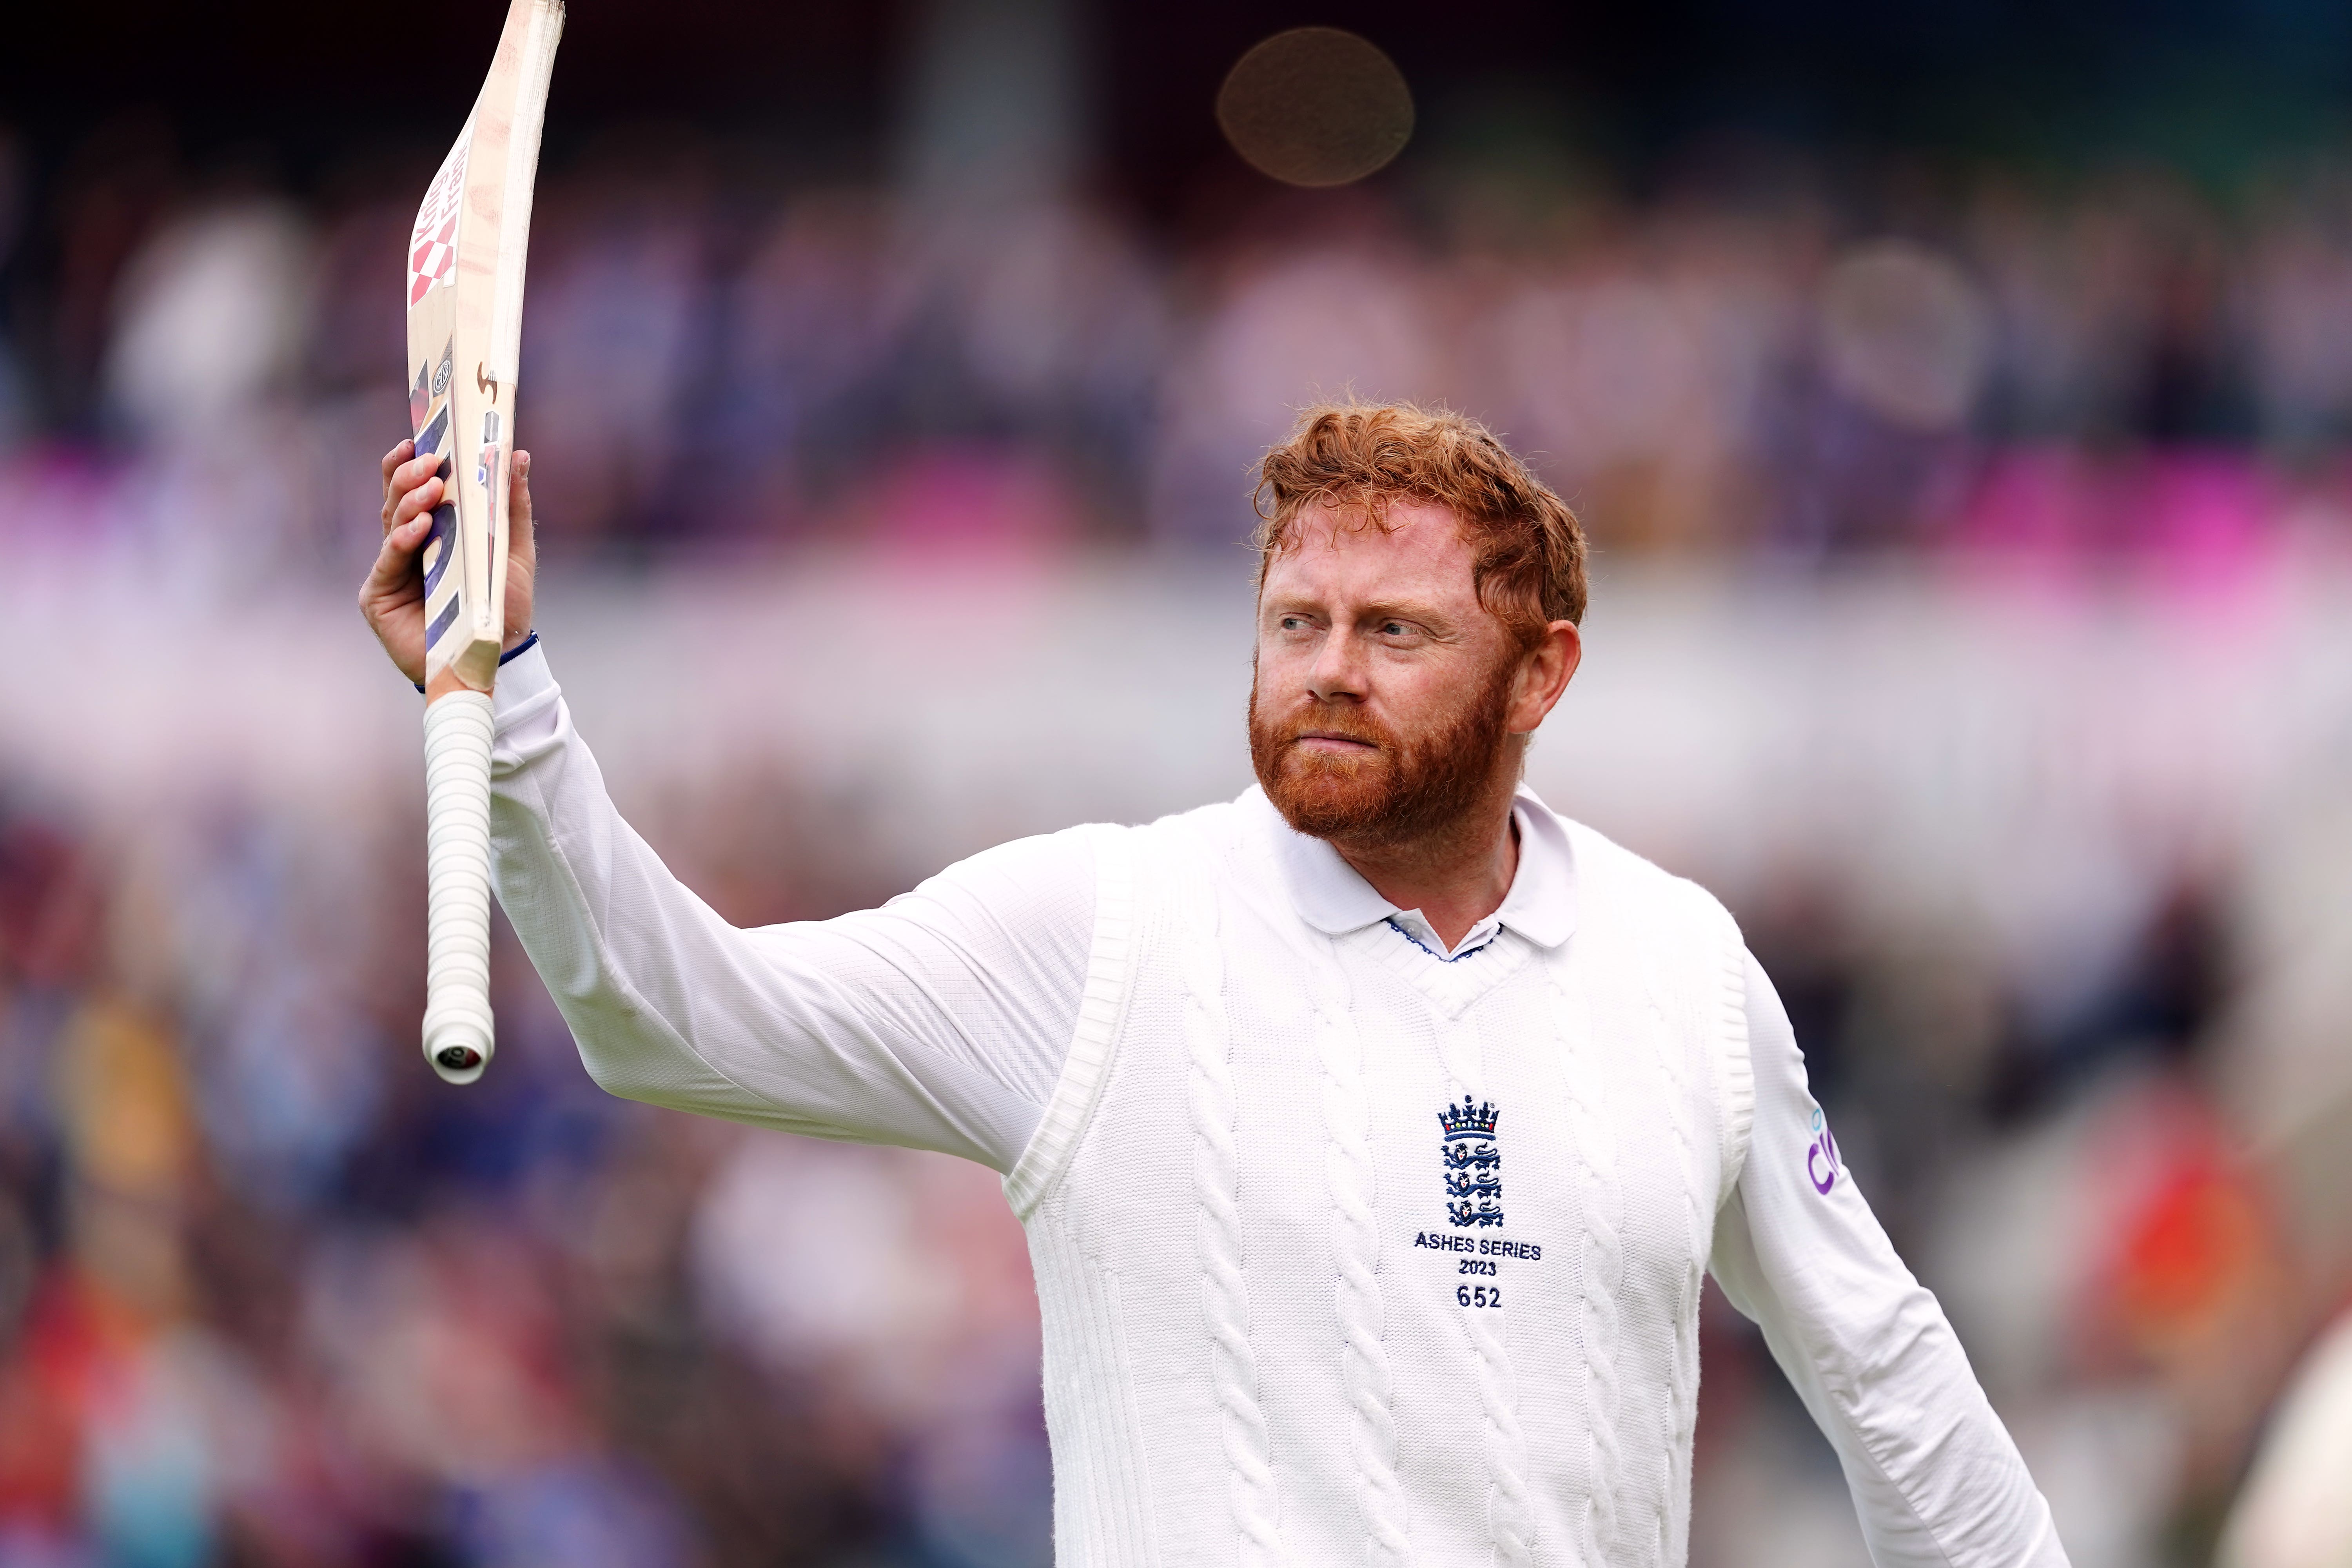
x: 1474, y: 1162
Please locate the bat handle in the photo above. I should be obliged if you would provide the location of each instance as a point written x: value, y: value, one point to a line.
x: 458, y: 1031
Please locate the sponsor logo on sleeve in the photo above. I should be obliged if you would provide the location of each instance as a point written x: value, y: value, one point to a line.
x: 1822, y: 1155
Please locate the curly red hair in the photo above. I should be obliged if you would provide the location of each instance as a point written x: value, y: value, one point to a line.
x: 1356, y: 457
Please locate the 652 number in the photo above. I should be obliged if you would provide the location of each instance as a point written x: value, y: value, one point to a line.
x: 1479, y: 1295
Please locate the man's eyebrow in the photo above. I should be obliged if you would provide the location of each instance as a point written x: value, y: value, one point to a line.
x: 1427, y: 615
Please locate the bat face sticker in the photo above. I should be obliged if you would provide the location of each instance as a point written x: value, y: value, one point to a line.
x: 440, y: 541
x: 486, y: 468
x: 431, y: 383
x: 432, y: 246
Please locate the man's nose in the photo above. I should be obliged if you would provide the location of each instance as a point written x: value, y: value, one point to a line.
x: 1338, y: 673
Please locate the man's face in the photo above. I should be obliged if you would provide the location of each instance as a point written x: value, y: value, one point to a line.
x: 1386, y: 695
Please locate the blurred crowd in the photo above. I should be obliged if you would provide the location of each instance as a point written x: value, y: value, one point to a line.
x: 269, y: 1294
x: 1753, y: 355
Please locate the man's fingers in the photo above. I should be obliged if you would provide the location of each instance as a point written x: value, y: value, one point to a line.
x: 402, y: 481
x: 398, y: 455
x: 416, y: 503
x: 396, y: 562
x: 392, y: 597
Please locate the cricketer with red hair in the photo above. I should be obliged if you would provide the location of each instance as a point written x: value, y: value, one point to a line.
x: 1372, y: 1131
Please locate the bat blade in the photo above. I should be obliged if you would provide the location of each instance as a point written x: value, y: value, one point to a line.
x: 465, y: 285
x: 465, y: 266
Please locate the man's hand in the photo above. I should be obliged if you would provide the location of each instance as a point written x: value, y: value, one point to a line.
x: 392, y: 597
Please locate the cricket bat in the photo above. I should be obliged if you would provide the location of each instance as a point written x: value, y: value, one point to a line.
x: 465, y: 328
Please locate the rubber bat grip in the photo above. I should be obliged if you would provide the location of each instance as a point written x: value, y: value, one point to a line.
x: 457, y: 1030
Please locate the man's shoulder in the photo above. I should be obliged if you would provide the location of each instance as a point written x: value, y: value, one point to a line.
x: 1611, y: 876
x: 1233, y: 842
x: 1074, y: 852
x: 1217, y: 826
x: 1042, y: 869
x: 1219, y: 819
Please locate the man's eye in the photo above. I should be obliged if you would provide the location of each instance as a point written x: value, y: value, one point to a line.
x: 1392, y: 629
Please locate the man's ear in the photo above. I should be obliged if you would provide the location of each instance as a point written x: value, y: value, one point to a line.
x: 1545, y: 672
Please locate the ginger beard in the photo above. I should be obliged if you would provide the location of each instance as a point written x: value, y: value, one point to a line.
x: 1407, y: 786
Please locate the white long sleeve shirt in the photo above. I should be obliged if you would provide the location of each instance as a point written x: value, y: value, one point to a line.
x: 942, y: 1020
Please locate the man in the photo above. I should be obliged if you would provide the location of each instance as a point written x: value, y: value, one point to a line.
x: 1371, y: 1130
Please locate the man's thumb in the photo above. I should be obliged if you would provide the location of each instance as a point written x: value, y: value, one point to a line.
x: 519, y: 501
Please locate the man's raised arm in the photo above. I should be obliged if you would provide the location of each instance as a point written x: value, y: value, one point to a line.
x: 939, y: 1021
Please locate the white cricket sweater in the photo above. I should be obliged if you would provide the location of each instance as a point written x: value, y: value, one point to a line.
x: 1347, y: 1250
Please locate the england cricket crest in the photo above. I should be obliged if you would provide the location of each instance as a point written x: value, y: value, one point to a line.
x: 1474, y: 1162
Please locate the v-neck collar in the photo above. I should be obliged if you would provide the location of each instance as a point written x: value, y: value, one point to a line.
x: 1333, y: 897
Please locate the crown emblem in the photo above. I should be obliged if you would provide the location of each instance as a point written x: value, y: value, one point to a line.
x: 1468, y: 1120
x: 1474, y: 1162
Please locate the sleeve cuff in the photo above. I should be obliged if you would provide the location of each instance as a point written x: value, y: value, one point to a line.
x: 525, y: 683
x: 526, y: 710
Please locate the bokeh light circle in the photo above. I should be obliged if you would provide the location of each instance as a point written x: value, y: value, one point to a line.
x: 1906, y: 334
x: 1315, y: 106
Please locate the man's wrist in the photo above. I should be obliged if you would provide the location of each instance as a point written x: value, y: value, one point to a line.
x: 529, y: 641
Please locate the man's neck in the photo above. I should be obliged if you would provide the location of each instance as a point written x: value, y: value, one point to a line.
x: 1455, y: 876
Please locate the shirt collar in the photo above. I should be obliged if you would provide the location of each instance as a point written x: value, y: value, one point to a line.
x: 1330, y: 896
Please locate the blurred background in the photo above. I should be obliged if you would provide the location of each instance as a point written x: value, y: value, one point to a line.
x: 1958, y: 395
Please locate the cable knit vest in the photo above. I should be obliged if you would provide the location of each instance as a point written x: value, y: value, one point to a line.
x: 1350, y: 1255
